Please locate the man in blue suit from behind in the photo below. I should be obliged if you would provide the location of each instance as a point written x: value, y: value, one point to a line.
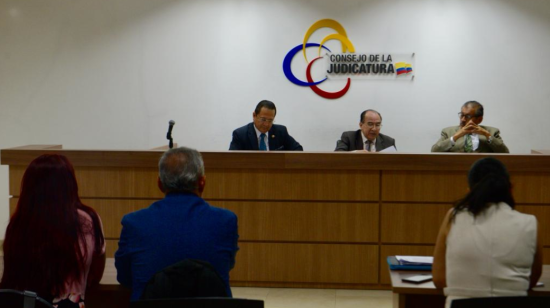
x: 178, y: 227
x: 262, y: 134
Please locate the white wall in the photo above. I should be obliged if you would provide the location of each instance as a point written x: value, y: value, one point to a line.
x: 109, y: 74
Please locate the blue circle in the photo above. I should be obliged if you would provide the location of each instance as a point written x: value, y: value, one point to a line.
x: 288, y: 59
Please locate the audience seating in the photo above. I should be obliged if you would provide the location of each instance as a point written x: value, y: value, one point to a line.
x: 503, y: 302
x: 185, y: 279
x: 198, y: 303
x: 21, y: 299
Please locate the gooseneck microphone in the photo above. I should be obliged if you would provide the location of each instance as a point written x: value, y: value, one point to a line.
x: 169, y: 133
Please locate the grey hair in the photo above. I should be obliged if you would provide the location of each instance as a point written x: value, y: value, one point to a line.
x: 180, y: 170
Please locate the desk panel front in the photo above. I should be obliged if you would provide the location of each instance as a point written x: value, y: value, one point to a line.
x: 325, y: 220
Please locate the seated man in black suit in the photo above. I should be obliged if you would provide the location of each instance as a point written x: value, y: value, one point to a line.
x: 262, y: 134
x: 368, y: 138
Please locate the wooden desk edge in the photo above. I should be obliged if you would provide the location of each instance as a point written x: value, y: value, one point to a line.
x: 389, y: 162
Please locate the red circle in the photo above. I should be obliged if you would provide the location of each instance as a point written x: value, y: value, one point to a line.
x: 325, y: 94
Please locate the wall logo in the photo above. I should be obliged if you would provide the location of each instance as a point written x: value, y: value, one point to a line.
x: 340, y: 35
x: 347, y: 64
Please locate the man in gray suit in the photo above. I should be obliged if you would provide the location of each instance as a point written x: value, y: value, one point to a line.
x: 368, y: 138
x: 469, y: 136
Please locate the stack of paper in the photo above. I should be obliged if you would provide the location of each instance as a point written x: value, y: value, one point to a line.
x: 415, y: 260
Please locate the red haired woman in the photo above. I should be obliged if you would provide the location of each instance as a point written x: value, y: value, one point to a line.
x: 54, y: 244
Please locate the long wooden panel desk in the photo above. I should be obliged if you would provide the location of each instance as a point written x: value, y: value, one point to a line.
x: 408, y: 295
x: 325, y: 220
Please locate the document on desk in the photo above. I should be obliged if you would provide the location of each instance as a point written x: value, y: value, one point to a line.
x: 391, y: 149
x: 416, y: 260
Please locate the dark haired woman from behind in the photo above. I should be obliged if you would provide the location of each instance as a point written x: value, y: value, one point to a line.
x: 54, y: 244
x: 485, y: 248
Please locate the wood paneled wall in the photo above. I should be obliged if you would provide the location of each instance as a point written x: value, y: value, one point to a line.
x: 305, y: 219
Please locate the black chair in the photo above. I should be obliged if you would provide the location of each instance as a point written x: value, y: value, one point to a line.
x: 21, y: 299
x: 503, y: 302
x: 185, y: 279
x: 210, y: 302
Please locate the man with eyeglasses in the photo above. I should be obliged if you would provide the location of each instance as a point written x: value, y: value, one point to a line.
x: 469, y: 136
x: 262, y: 134
x: 368, y: 138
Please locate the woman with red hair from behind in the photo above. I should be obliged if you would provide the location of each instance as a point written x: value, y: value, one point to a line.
x: 54, y: 244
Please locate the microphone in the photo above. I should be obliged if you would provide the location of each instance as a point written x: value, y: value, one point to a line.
x: 170, y: 126
x: 169, y: 133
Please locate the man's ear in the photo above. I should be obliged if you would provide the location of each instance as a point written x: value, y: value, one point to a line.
x: 159, y: 184
x: 202, y: 183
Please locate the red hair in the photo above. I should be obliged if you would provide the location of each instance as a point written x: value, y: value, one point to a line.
x: 42, y: 248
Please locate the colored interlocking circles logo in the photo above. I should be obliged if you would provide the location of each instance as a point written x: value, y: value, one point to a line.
x: 340, y: 35
x: 347, y: 64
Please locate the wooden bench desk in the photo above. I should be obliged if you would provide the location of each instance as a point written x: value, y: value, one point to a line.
x: 409, y: 295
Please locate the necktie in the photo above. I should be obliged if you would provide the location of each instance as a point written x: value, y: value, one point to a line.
x: 263, y: 146
x: 468, y: 146
x: 368, y: 145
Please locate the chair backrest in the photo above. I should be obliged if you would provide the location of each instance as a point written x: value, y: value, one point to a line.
x: 209, y: 302
x: 21, y: 299
x: 185, y: 279
x: 503, y: 302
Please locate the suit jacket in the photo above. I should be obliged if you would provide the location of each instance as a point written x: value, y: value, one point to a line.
x: 180, y: 226
x: 353, y: 140
x: 244, y: 138
x: 444, y: 143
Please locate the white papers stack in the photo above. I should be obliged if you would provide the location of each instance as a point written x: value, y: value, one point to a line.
x: 391, y: 149
x: 415, y: 260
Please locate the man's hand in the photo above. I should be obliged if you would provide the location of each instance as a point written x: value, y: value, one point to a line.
x: 480, y: 131
x: 470, y: 128
x: 466, y: 129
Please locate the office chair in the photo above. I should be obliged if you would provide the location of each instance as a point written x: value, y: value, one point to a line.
x: 503, y: 302
x: 185, y: 279
x: 18, y: 299
x: 210, y: 302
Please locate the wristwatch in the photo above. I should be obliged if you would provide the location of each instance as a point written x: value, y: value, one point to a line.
x: 490, y: 139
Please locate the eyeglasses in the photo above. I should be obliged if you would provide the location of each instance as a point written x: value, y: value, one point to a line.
x: 263, y: 120
x: 467, y: 116
x: 371, y: 125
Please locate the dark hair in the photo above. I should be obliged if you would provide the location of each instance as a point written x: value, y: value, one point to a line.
x: 265, y: 104
x: 489, y: 182
x: 476, y: 105
x: 42, y: 246
x: 365, y: 112
x: 180, y: 170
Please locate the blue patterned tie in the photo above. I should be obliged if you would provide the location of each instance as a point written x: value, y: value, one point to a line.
x: 263, y: 147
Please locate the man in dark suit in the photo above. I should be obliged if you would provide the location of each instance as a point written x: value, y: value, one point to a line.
x: 262, y: 134
x: 368, y: 138
x: 180, y: 226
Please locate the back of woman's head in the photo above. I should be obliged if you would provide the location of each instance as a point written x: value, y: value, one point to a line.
x: 489, y: 182
x: 41, y: 246
x: 48, y: 187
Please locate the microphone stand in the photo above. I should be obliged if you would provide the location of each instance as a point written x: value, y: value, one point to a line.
x: 169, y: 134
